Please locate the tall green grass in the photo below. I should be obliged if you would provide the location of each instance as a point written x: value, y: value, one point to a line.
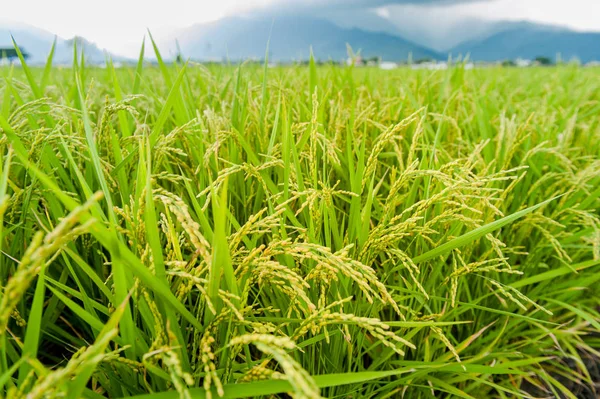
x: 217, y: 231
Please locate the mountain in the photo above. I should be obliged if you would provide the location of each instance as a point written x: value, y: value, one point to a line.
x: 38, y: 42
x: 291, y: 39
x: 455, y: 33
x: 375, y: 34
x: 431, y: 28
x: 367, y: 20
x: 528, y: 40
x: 484, y: 39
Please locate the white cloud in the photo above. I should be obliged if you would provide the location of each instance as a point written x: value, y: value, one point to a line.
x: 576, y: 14
x: 383, y: 12
x: 119, y: 25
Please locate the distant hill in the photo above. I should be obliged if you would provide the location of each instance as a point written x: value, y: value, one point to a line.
x: 527, y: 40
x: 432, y: 29
x: 37, y: 43
x: 237, y: 38
x: 291, y: 39
x: 241, y: 38
x: 486, y: 40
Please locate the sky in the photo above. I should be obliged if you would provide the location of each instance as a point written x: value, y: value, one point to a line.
x: 119, y: 25
x: 576, y: 14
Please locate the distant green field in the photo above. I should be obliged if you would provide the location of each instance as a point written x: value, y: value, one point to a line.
x: 189, y: 231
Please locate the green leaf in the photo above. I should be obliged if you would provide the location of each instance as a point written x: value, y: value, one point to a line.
x: 34, y: 87
x: 478, y: 233
x: 34, y: 325
x: 48, y: 67
x: 108, y: 332
x: 273, y: 387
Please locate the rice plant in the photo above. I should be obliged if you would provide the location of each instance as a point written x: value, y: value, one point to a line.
x: 207, y: 231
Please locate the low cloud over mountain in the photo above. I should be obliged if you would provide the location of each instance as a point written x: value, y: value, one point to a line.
x: 291, y: 39
x: 390, y: 29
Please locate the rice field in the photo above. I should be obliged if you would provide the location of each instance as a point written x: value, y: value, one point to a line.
x: 205, y: 231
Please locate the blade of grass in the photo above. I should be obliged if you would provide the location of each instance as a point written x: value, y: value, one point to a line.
x: 477, y: 233
x: 273, y: 387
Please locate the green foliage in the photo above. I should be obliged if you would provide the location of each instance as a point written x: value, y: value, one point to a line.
x: 10, y: 53
x: 543, y: 60
x: 202, y: 231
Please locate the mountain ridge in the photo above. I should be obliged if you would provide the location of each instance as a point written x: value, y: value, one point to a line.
x: 292, y: 37
x: 528, y: 41
x: 37, y: 43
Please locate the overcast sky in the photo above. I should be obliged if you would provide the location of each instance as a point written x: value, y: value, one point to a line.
x: 119, y: 25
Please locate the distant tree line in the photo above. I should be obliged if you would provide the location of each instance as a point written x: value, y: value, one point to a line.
x: 543, y: 60
x: 540, y: 60
x: 11, y: 53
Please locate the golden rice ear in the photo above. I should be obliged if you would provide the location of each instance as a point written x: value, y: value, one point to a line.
x: 298, y: 230
x: 302, y: 383
x: 40, y: 250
